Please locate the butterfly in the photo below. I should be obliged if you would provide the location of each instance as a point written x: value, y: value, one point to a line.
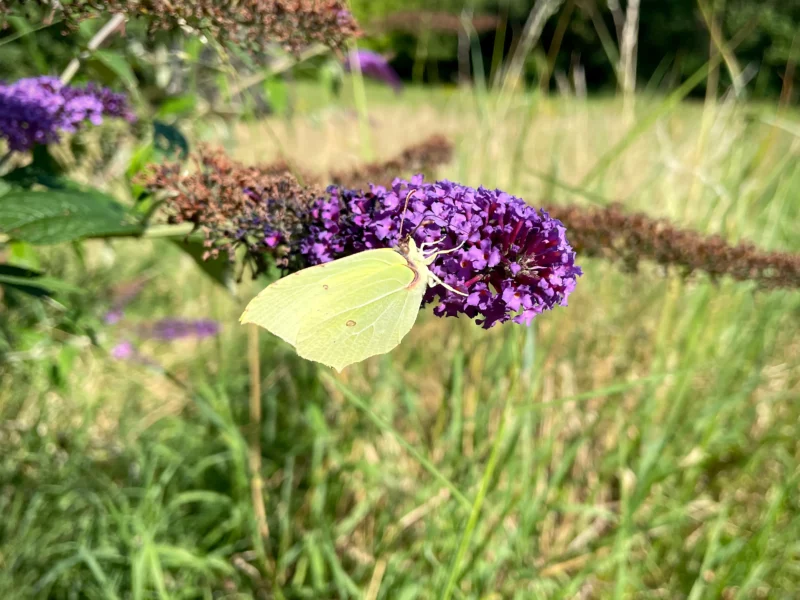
x: 342, y: 312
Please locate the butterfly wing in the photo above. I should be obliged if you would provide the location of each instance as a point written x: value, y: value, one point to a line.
x: 365, y: 324
x: 344, y: 311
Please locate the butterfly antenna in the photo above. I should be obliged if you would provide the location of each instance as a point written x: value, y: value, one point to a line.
x: 403, y: 216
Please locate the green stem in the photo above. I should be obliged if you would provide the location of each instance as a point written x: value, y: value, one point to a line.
x: 22, y: 34
x: 168, y: 231
x: 360, y: 97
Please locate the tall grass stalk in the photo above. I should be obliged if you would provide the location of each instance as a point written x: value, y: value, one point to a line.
x: 359, y: 94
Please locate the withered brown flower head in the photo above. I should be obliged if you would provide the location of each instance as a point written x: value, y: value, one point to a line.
x: 235, y: 206
x: 281, y: 167
x: 424, y: 157
x: 629, y: 238
x: 253, y: 24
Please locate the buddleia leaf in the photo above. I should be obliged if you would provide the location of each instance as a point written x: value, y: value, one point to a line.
x: 56, y: 216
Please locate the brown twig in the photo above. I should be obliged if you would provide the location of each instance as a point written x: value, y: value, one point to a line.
x: 105, y: 31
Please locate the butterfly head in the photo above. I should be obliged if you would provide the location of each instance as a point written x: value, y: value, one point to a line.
x: 408, y: 248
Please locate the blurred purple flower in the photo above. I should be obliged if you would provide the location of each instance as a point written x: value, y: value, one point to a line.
x: 374, y: 65
x: 514, y: 263
x: 175, y: 329
x: 113, y: 316
x: 37, y: 110
x: 124, y: 350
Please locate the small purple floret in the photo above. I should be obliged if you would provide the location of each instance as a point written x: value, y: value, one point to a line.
x: 37, y: 110
x: 514, y: 261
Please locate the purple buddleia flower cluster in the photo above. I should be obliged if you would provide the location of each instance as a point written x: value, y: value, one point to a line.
x: 38, y: 110
x: 510, y: 260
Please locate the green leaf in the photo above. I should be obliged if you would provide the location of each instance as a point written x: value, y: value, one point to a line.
x: 23, y: 255
x: 177, y: 106
x: 169, y: 140
x: 330, y: 78
x: 278, y: 94
x: 33, y: 50
x: 142, y: 157
x: 5, y: 187
x: 30, y: 175
x: 33, y: 283
x: 219, y: 269
x: 43, y: 170
x: 119, y: 67
x: 55, y: 216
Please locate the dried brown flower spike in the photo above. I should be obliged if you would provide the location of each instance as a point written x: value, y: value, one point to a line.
x: 424, y: 157
x: 612, y: 233
x: 235, y: 206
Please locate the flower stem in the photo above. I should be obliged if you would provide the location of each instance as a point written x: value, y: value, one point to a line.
x: 168, y: 231
x: 254, y: 454
x: 105, y: 31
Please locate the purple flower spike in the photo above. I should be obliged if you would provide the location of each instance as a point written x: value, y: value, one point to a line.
x: 512, y: 261
x: 37, y: 110
x: 376, y: 66
x: 175, y: 329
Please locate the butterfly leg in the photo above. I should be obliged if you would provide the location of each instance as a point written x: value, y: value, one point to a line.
x: 424, y: 245
x: 431, y: 257
x: 435, y: 280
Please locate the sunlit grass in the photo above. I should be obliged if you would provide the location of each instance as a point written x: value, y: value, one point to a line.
x: 644, y: 439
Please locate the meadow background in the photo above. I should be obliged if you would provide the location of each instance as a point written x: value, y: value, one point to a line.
x: 640, y: 443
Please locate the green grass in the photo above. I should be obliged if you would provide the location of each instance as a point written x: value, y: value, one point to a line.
x: 642, y: 442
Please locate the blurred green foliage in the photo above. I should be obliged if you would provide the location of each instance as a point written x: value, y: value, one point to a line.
x: 673, y: 39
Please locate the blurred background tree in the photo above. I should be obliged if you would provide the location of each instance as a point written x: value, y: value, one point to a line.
x: 673, y: 37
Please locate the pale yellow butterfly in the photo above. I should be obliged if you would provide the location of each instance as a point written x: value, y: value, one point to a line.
x: 345, y: 311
